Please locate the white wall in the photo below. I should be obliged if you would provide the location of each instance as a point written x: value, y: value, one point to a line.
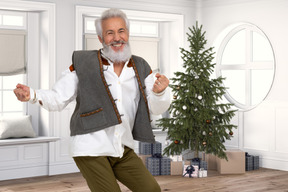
x: 263, y: 130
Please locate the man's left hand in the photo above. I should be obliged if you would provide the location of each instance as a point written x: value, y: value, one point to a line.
x: 160, y: 84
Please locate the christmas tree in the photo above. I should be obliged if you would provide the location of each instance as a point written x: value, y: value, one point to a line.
x: 199, y: 120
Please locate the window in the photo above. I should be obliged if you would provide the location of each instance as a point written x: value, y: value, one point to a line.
x: 8, y: 102
x: 246, y: 59
x: 12, y: 20
x: 12, y: 61
x: 170, y: 34
x: 144, y: 39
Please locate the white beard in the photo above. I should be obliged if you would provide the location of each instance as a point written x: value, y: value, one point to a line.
x: 116, y: 57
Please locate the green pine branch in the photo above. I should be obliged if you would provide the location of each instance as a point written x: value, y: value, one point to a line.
x: 199, y: 120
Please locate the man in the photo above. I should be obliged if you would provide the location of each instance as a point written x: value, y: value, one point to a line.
x: 115, y: 92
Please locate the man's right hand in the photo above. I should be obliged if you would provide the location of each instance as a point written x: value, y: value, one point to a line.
x: 22, y: 92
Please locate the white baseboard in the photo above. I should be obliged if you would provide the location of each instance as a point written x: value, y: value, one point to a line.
x: 57, y: 169
x: 23, y: 172
x: 274, y: 164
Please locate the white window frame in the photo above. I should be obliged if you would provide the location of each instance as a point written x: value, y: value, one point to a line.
x: 247, y: 67
x: 12, y: 28
x: 141, y: 32
x: 46, y: 73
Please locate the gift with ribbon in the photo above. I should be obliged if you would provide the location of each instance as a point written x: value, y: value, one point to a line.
x: 158, y: 165
x: 251, y: 162
x: 199, y: 162
x: 202, y: 172
x: 150, y: 148
x: 188, y: 171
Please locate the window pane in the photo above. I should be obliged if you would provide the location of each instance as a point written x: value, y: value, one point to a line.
x: 235, y: 83
x: 10, y: 82
x: 260, y: 86
x: 144, y: 29
x: 90, y: 26
x: 11, y: 103
x: 150, y: 29
x: 135, y: 28
x: 235, y: 50
x: 13, y: 20
x: 262, y: 50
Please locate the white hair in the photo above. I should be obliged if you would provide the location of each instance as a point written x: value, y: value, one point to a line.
x: 109, y: 14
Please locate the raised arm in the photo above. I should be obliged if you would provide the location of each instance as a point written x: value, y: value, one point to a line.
x: 56, y: 99
x: 157, y: 92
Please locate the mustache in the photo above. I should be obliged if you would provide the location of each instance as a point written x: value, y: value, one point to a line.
x: 117, y: 42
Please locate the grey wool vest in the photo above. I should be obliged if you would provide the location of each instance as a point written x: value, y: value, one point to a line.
x: 95, y: 107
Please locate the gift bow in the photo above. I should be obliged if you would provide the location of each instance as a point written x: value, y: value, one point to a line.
x: 196, y: 159
x: 157, y: 155
x: 189, y: 170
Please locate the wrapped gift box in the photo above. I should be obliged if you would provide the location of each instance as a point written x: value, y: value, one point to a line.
x: 144, y: 158
x: 176, y: 157
x: 195, y: 171
x: 211, y: 162
x: 235, y: 163
x: 185, y: 173
x: 248, y: 163
x: 159, y: 166
x: 177, y: 167
x: 204, y: 165
x: 150, y: 148
x: 256, y: 162
x: 202, y: 173
x: 251, y: 162
x: 200, y: 163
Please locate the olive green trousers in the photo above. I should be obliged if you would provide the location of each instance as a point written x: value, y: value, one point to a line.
x: 101, y: 173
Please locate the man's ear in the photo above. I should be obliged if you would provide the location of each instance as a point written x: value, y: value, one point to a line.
x: 100, y: 39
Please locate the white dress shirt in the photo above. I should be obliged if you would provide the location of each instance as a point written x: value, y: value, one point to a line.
x: 109, y: 141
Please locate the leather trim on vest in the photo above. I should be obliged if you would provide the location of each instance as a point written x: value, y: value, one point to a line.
x: 107, y: 88
x: 91, y: 113
x: 140, y: 86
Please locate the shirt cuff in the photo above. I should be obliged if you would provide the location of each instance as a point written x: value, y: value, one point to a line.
x: 159, y: 94
x: 33, y: 96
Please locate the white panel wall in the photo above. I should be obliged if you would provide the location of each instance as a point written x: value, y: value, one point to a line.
x: 281, y: 132
x: 258, y: 130
x: 28, y: 160
x: 262, y: 130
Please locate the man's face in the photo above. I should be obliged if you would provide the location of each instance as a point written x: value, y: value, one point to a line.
x: 114, y: 33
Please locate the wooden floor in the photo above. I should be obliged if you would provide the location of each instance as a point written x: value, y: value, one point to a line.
x: 259, y: 180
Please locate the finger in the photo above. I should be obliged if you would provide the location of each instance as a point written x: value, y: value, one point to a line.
x: 22, y: 87
x: 158, y: 75
x: 19, y: 85
x: 158, y: 82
